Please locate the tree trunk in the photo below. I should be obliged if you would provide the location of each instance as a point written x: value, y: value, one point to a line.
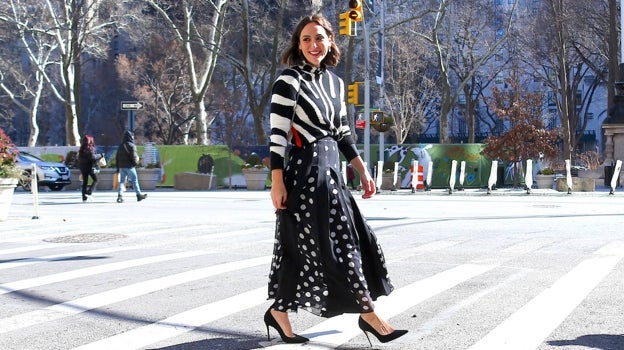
x: 201, y: 124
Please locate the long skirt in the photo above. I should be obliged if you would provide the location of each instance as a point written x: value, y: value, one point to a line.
x: 326, y: 258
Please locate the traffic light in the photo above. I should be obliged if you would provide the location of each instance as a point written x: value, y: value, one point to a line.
x: 345, y: 26
x: 353, y: 95
x: 377, y: 117
x: 355, y: 10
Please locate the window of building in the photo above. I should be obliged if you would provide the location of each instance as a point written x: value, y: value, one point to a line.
x: 462, y: 128
x: 589, y: 79
x: 499, y: 127
x: 550, y: 98
x: 579, y: 98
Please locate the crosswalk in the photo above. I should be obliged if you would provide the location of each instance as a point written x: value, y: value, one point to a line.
x: 40, y: 301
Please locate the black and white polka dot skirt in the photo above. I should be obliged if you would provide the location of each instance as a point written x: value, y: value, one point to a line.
x: 326, y: 258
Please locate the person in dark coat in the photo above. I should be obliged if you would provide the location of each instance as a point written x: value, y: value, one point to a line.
x: 127, y: 159
x: 88, y: 164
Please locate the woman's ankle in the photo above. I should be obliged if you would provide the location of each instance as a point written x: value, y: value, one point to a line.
x: 284, y: 322
x: 380, y: 325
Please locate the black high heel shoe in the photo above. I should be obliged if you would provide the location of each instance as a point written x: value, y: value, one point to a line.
x: 269, y: 320
x: 384, y: 338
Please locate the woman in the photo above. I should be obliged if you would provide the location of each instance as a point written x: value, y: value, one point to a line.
x: 87, y: 161
x: 326, y: 258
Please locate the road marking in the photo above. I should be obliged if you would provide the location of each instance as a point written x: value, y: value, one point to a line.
x: 513, y: 251
x: 89, y: 271
x: 76, y: 306
x: 62, y: 256
x: 180, y: 323
x: 421, y: 249
x: 31, y: 248
x: 440, y: 318
x: 532, y: 323
x: 340, y: 329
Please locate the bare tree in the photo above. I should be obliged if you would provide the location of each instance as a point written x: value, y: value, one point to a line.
x: 445, y: 27
x: 410, y: 92
x: 80, y: 29
x: 246, y: 50
x: 24, y: 83
x: 198, y: 26
x: 561, y: 52
x: 159, y: 78
x: 477, y: 26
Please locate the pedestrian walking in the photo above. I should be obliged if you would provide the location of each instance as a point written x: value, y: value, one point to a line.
x: 326, y: 258
x: 127, y: 159
x: 88, y: 163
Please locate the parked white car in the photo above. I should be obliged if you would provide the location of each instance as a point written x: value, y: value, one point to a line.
x: 54, y: 175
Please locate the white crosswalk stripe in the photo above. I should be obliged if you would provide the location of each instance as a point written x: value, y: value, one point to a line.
x: 527, y: 327
x: 76, y: 306
x: 89, y: 271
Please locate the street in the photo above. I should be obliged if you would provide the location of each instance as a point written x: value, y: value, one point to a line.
x: 188, y: 270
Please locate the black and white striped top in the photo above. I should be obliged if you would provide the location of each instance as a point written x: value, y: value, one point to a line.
x: 320, y: 111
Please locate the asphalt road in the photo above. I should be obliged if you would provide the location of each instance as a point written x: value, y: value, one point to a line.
x: 188, y: 270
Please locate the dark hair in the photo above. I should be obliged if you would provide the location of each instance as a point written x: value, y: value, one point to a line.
x: 87, y: 146
x: 292, y: 55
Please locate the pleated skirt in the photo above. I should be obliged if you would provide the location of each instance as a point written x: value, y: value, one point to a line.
x: 326, y: 258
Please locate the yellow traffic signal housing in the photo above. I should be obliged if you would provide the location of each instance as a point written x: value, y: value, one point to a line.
x: 353, y: 94
x: 355, y: 10
x: 346, y: 24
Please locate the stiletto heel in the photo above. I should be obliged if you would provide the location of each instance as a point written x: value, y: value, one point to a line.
x: 383, y: 338
x: 269, y: 320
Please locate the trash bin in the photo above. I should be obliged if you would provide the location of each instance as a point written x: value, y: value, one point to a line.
x: 500, y: 177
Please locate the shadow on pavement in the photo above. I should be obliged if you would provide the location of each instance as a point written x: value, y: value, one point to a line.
x: 594, y: 341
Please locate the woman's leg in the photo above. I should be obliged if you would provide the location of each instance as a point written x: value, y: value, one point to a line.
x: 93, y: 183
x: 85, y: 182
x: 283, y: 321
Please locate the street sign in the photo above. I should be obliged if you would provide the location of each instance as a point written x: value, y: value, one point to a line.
x: 131, y: 105
x: 360, y: 124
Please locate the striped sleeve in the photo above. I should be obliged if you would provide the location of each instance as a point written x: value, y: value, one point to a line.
x: 346, y: 144
x: 283, y: 103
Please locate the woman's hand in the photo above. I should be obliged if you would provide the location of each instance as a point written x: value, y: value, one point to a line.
x: 368, y: 184
x: 278, y: 189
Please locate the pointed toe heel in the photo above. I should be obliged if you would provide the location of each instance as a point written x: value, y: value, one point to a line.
x: 269, y: 320
x: 383, y: 338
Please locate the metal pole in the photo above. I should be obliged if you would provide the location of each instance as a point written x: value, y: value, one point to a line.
x: 381, y: 82
x: 131, y: 120
x: 366, y: 95
x: 621, y: 36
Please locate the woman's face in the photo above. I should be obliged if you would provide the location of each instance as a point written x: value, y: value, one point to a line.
x: 314, y: 43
